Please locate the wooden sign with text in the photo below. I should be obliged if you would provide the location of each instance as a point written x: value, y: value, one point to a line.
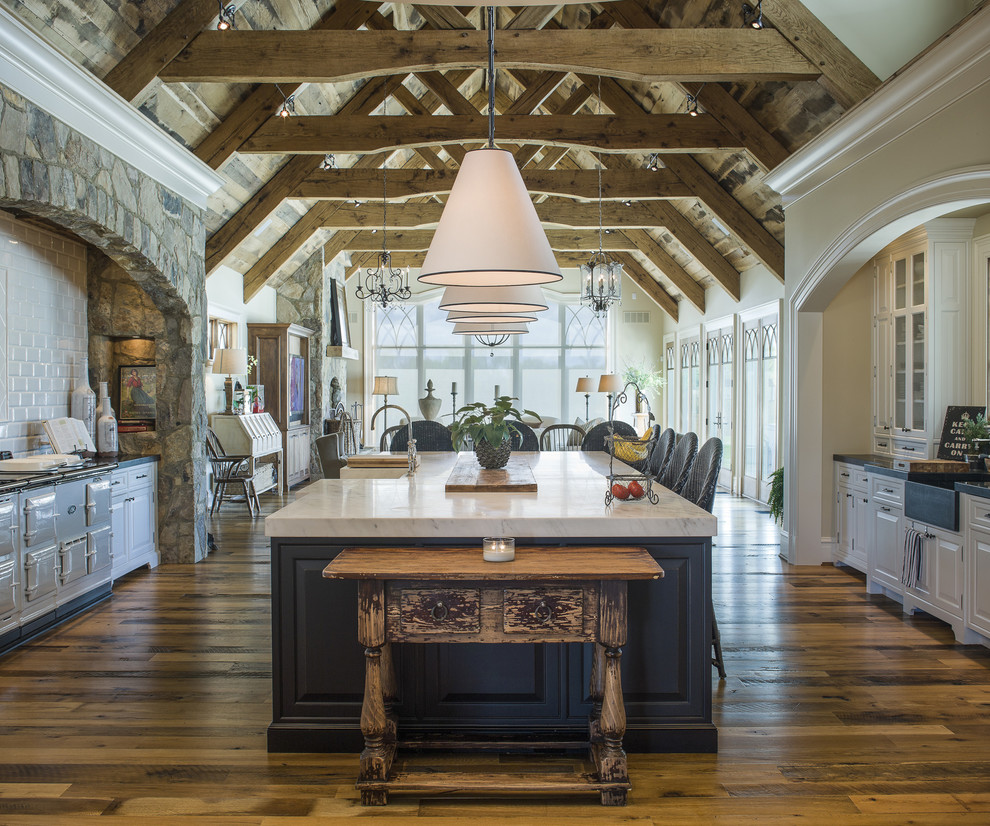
x: 953, y: 444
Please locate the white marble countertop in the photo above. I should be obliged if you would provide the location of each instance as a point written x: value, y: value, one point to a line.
x: 570, y: 503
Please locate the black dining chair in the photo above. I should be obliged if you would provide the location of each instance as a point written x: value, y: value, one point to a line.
x: 700, y: 489
x: 524, y: 437
x: 680, y: 463
x: 594, y: 439
x: 430, y: 436
x: 561, y: 437
x: 661, y: 454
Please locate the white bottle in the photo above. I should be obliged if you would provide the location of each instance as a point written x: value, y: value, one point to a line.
x: 83, y: 402
x: 106, y: 425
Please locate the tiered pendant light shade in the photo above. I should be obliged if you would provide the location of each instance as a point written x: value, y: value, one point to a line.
x: 489, y: 234
x: 464, y: 328
x: 527, y: 299
x: 487, y: 318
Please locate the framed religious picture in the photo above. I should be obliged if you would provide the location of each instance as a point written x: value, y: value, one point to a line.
x: 138, y: 393
x: 340, y: 333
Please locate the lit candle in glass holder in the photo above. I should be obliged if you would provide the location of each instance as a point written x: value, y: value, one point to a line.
x: 499, y: 548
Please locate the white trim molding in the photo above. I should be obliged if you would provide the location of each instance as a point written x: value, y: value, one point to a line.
x: 936, y: 80
x: 36, y: 71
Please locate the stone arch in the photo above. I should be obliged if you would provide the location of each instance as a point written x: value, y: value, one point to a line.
x: 149, y: 237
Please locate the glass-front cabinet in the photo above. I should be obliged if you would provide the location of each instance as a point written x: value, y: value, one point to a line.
x: 921, y: 329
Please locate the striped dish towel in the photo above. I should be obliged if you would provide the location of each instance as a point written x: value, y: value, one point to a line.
x: 914, y: 543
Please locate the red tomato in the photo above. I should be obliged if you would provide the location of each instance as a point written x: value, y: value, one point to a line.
x: 636, y: 490
x: 620, y: 491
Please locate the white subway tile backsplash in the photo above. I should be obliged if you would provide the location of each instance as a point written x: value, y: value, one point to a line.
x: 43, y: 332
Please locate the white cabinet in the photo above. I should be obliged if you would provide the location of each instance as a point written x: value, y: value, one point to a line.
x: 939, y: 590
x: 978, y: 579
x: 884, y: 575
x: 852, y: 521
x: 921, y: 347
x: 134, y: 518
x: 297, y: 455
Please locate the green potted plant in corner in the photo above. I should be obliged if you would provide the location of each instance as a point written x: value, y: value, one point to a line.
x: 775, y: 499
x: 488, y: 428
x: 976, y: 431
x: 646, y: 378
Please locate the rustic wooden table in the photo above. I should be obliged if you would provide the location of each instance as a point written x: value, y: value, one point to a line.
x: 451, y: 595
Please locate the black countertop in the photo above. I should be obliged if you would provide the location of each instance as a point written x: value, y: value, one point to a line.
x: 884, y: 466
x: 864, y: 459
x: 981, y: 489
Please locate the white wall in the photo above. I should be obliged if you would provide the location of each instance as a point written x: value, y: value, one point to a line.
x: 225, y: 299
x: 43, y: 330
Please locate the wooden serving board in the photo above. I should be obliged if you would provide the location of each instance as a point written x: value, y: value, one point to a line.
x: 938, y: 466
x: 378, y: 460
x: 470, y: 477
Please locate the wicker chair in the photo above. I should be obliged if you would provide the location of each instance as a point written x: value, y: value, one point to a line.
x: 561, y: 437
x: 524, y: 438
x: 387, y: 436
x: 430, y: 437
x: 700, y: 489
x: 677, y: 470
x: 594, y: 439
x: 661, y: 454
x: 229, y: 469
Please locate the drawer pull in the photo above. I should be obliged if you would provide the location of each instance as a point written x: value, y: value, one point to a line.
x: 887, y: 490
x: 143, y: 476
x: 439, y: 611
x: 543, y: 612
x: 845, y: 474
x: 909, y: 448
x: 986, y: 516
x: 881, y: 444
x: 887, y: 510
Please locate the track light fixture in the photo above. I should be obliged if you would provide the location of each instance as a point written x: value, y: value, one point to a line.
x: 288, y: 107
x: 753, y: 15
x: 653, y: 162
x: 328, y: 162
x: 692, y: 106
x: 226, y: 20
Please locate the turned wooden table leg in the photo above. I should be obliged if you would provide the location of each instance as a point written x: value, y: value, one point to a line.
x: 390, y: 688
x: 596, y: 690
x: 376, y: 759
x: 611, y: 762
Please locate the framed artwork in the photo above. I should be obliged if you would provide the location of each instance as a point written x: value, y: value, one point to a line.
x: 138, y: 392
x: 298, y: 387
x: 340, y: 331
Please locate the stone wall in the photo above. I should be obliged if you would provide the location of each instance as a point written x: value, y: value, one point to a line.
x: 158, y: 240
x: 304, y: 298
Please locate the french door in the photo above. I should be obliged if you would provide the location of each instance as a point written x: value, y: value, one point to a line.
x: 760, y: 402
x: 690, y: 365
x: 719, y: 419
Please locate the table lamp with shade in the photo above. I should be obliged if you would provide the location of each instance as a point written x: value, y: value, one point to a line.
x: 611, y: 384
x: 230, y: 362
x: 585, y: 386
x: 385, y: 386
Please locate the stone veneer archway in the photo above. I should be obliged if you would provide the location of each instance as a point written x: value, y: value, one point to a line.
x: 158, y: 240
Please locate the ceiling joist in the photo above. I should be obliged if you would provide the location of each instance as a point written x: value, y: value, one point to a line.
x: 702, y: 55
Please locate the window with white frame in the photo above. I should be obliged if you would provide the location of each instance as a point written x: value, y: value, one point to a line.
x: 415, y: 343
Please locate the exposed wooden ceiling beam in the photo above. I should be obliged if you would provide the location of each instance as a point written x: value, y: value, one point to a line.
x: 258, y: 107
x: 563, y: 240
x: 715, y: 100
x: 554, y: 213
x: 157, y: 48
x: 415, y: 260
x: 648, y: 284
x: 693, y: 291
x: 844, y: 75
x: 363, y: 184
x: 703, y: 55
x: 605, y: 133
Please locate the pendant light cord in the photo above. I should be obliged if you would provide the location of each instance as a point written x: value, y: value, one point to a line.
x: 598, y: 157
x: 385, y: 179
x: 491, y: 77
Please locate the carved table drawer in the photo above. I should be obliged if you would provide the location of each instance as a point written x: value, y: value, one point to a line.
x: 543, y: 609
x: 438, y: 610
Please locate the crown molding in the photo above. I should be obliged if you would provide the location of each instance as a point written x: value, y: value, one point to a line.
x: 936, y: 80
x: 35, y: 70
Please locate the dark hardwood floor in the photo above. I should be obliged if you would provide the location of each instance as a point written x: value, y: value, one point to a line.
x: 152, y: 708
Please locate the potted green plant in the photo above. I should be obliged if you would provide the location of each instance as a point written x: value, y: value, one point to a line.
x: 645, y: 377
x: 488, y: 427
x: 775, y: 499
x: 975, y: 431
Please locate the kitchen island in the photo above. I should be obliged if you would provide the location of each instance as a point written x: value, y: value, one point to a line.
x: 489, y: 693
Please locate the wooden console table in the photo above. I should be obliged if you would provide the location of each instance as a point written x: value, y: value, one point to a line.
x: 451, y: 595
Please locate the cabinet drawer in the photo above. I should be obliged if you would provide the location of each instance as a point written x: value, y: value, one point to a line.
x: 909, y: 448
x: 439, y: 611
x: 541, y: 609
x: 140, y: 476
x: 885, y: 489
x: 979, y: 512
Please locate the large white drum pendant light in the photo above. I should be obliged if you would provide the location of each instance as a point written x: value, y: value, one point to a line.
x: 487, y: 318
x: 489, y: 234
